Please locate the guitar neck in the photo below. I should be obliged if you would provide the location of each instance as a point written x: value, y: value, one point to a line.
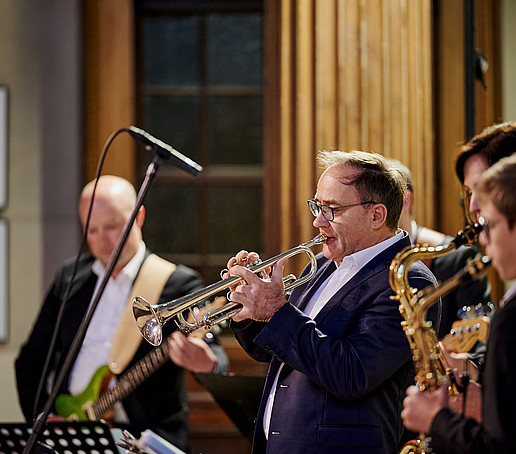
x: 142, y: 370
x: 128, y: 382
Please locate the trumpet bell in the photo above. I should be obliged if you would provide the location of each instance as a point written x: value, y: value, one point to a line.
x: 148, y: 321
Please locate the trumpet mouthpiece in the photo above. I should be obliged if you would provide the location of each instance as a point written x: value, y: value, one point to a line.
x: 321, y: 238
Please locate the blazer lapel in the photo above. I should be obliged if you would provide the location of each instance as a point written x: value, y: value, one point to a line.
x: 374, y: 266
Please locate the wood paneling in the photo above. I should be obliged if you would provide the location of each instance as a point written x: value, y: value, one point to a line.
x: 351, y: 75
x: 110, y: 85
x: 449, y: 100
x: 450, y: 96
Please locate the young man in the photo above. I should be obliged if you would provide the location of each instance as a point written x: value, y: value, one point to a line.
x: 481, y: 152
x: 429, y: 412
x: 339, y: 359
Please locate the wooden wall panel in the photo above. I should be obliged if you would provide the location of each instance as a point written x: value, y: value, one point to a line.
x: 110, y: 85
x: 353, y: 75
x: 450, y: 96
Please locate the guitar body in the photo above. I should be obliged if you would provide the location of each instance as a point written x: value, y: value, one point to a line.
x: 72, y: 407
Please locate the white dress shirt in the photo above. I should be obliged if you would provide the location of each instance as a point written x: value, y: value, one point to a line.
x: 96, y: 346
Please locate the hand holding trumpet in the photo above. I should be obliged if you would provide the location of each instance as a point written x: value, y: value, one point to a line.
x: 260, y: 297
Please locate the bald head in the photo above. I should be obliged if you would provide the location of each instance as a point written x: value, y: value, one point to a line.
x: 110, y: 188
x: 113, y: 204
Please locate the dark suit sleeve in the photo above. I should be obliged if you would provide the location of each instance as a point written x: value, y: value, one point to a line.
x: 30, y: 362
x: 452, y: 433
x: 245, y: 332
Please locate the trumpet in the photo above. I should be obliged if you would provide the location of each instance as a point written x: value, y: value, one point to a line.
x: 151, y: 318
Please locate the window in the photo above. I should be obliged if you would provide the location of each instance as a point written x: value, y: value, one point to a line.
x: 200, y: 90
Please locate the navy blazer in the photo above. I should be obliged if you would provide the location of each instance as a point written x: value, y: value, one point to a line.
x: 346, y: 372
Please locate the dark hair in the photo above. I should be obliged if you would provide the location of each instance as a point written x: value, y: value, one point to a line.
x: 377, y: 180
x: 492, y: 144
x: 498, y: 183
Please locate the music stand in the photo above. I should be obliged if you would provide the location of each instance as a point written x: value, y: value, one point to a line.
x: 238, y: 395
x: 68, y: 436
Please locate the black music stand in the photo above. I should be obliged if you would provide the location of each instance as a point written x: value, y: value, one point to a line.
x: 68, y: 436
x: 238, y: 395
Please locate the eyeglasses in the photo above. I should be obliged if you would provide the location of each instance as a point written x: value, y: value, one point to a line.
x: 329, y: 212
x: 485, y: 226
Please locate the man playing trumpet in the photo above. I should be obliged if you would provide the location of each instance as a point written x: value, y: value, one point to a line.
x: 339, y: 359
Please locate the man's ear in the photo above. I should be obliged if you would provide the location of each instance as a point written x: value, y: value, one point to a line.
x: 378, y: 215
x: 140, y: 217
x: 407, y: 203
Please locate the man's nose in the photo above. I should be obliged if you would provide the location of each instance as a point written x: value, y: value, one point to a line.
x: 473, y: 205
x: 320, y: 220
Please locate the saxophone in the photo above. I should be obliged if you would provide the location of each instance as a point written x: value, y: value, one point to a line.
x: 429, y: 365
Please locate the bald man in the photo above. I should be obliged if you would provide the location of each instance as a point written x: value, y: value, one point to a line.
x: 159, y: 403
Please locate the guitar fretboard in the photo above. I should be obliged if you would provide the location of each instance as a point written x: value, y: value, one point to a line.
x: 128, y: 382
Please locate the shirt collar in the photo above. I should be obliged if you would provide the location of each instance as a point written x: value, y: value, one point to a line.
x: 361, y: 258
x: 509, y: 294
x: 130, y: 270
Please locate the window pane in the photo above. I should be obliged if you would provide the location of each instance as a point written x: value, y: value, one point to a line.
x: 234, y: 49
x: 172, y: 220
x: 235, y: 219
x: 174, y: 120
x: 235, y: 130
x: 170, y: 49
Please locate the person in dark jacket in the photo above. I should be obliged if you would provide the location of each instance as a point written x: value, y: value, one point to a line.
x: 429, y: 412
x: 112, y: 341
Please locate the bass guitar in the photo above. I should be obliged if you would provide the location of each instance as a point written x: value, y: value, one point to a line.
x: 464, y: 334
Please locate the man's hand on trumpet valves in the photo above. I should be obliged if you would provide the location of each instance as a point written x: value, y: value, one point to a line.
x: 260, y: 298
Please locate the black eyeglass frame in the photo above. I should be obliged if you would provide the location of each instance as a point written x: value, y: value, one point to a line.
x: 316, y: 208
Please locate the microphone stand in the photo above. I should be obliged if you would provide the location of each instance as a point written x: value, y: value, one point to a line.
x: 81, y: 332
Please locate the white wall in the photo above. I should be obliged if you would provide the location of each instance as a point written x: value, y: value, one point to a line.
x: 39, y: 62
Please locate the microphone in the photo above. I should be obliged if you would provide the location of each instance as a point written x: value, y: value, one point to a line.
x: 165, y: 151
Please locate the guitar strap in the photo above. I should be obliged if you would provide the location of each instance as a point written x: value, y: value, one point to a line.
x: 149, y: 284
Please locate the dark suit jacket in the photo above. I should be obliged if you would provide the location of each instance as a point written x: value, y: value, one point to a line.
x: 159, y: 404
x: 345, y: 373
x: 452, y: 433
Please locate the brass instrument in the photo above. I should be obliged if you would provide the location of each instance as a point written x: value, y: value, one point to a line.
x: 151, y: 318
x: 429, y: 365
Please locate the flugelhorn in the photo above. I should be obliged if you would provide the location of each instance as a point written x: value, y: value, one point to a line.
x: 151, y: 318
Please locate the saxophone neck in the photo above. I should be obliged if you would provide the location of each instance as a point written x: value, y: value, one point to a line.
x: 469, y: 234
